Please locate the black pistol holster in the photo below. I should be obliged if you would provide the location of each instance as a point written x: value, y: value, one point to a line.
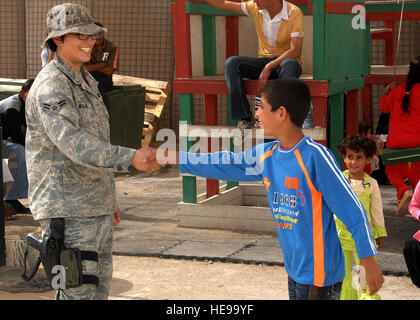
x: 53, y: 254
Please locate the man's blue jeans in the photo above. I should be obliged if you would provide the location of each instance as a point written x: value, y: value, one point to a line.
x: 304, y: 292
x: 237, y: 68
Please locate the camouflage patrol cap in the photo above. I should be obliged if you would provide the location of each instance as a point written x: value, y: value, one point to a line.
x: 70, y: 18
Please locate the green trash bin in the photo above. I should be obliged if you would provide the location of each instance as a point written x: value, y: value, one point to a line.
x: 125, y: 105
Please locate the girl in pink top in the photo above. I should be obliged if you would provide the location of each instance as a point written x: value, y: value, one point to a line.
x: 414, y: 208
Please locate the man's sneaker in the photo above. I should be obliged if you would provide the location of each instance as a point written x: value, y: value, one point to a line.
x: 405, y: 201
x: 243, y: 124
x: 239, y: 137
x: 257, y: 106
x: 16, y: 206
x: 8, y: 214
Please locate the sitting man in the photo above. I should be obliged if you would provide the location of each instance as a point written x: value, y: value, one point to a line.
x: 13, y: 121
x: 279, y: 26
x: 104, y: 60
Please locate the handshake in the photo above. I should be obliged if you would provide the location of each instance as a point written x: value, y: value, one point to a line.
x: 149, y: 159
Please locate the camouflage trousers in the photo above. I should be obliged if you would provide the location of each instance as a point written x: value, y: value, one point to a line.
x: 90, y: 234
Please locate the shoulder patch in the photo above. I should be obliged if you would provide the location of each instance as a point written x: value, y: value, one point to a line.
x: 54, y: 107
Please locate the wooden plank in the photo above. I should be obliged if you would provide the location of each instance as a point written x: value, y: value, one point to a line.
x: 232, y: 37
x: 152, y: 97
x: 336, y: 133
x: 382, y: 16
x: 320, y: 111
x: 390, y: 44
x: 395, y: 156
x: 149, y: 130
x: 226, y: 197
x: 206, y: 9
x: 230, y: 122
x: 148, y: 83
x: 189, y: 184
x: 339, y: 7
x: 381, y: 74
x: 182, y: 37
x: 210, y: 118
x: 386, y: 31
x: 389, y: 70
x: 352, y: 112
x: 319, y: 55
x: 226, y: 217
x: 318, y: 88
x: 202, y: 8
x: 253, y: 189
x: 385, y: 9
x: 157, y: 109
x: 367, y: 104
x: 209, y: 45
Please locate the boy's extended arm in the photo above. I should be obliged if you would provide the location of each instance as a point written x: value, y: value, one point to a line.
x: 231, y: 6
x: 341, y: 200
x: 225, y: 166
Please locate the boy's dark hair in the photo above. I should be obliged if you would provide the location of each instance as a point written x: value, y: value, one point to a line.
x: 291, y: 93
x: 52, y: 45
x: 27, y: 85
x: 99, y: 24
x: 413, y: 77
x: 357, y: 143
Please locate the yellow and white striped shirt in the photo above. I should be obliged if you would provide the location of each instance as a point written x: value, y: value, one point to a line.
x: 275, y: 35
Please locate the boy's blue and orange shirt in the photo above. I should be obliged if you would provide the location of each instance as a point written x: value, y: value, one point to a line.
x: 305, y: 187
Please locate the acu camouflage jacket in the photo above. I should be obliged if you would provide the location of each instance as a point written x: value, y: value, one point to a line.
x: 69, y: 156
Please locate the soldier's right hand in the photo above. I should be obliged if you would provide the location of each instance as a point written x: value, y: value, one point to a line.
x: 145, y: 160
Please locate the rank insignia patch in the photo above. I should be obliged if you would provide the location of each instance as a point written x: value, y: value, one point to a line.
x: 55, y: 107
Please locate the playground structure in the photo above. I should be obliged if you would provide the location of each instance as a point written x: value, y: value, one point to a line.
x: 390, y: 12
x: 336, y: 67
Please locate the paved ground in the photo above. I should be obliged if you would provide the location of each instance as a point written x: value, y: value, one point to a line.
x: 149, y: 229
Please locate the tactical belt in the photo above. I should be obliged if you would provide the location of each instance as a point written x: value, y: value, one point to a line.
x: 53, y: 253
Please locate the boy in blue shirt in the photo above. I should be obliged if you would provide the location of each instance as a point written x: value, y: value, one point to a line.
x: 305, y: 188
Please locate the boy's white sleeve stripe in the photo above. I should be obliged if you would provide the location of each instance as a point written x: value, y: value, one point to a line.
x: 244, y: 8
x: 341, y: 178
x: 295, y: 34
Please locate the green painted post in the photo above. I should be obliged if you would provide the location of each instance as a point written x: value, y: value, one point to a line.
x: 189, y: 184
x: 336, y: 124
x: 319, y: 61
x: 209, y: 45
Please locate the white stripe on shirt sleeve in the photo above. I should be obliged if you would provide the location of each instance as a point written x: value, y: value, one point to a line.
x: 245, y: 11
x: 295, y: 34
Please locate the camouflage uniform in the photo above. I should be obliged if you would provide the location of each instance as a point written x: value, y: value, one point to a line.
x: 70, y: 161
